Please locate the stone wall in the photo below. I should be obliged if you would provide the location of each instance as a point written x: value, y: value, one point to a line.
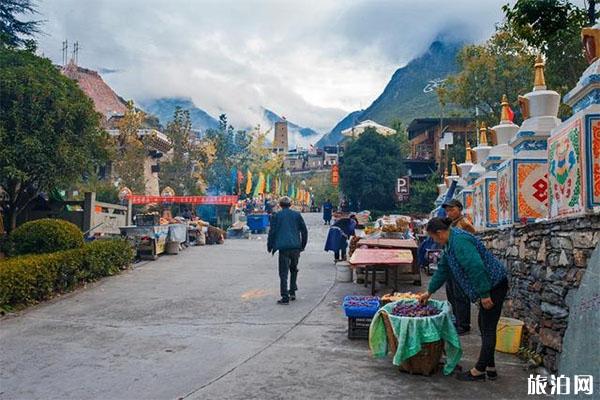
x: 546, y: 262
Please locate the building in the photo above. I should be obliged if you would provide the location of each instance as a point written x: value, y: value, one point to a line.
x: 280, y: 141
x: 424, y: 135
x: 296, y: 160
x: 357, y: 130
x: 113, y: 108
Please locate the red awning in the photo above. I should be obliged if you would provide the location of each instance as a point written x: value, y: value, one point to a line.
x: 208, y: 200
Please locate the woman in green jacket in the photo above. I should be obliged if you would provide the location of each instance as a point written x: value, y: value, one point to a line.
x: 483, y: 279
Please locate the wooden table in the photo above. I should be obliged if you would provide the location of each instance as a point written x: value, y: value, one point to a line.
x: 408, y: 244
x: 374, y: 259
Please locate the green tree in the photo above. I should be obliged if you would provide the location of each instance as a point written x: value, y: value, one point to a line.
x: 15, y: 32
x: 422, y: 196
x: 130, y: 151
x: 401, y: 137
x: 372, y: 163
x: 553, y: 28
x: 502, y: 65
x: 50, y: 134
x: 183, y: 171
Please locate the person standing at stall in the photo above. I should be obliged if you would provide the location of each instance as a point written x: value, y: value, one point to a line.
x: 327, y: 211
x: 338, y: 235
x: 481, y: 276
x: 461, y: 305
x: 288, y: 235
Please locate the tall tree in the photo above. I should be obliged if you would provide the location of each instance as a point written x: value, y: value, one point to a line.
x: 184, y: 169
x: 503, y: 65
x: 50, y: 134
x: 15, y: 32
x: 370, y: 169
x: 130, y: 151
x: 553, y: 28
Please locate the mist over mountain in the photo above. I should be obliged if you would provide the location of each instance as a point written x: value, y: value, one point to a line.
x: 410, y: 92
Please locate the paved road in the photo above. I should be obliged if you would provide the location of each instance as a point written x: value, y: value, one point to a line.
x: 204, y: 325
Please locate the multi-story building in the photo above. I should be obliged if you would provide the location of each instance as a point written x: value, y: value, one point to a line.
x: 424, y: 135
x: 280, y: 140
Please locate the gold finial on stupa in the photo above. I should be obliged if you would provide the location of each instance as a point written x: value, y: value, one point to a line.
x: 505, y: 114
x: 483, y: 135
x: 539, y: 82
x: 454, y: 170
x: 446, y: 176
x: 468, y: 158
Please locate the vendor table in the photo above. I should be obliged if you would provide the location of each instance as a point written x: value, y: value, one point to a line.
x: 382, y: 259
x: 408, y: 244
x: 149, y: 241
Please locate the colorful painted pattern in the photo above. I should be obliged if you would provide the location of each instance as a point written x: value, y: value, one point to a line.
x: 564, y: 157
x: 468, y: 204
x: 504, y: 197
x: 492, y: 214
x: 479, y: 205
x: 531, y: 190
x: 593, y: 160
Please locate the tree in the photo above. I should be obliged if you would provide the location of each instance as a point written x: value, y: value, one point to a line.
x: 503, y: 65
x: 401, y: 137
x: 15, y: 32
x: 130, y: 151
x: 422, y: 197
x: 553, y: 28
x: 50, y: 134
x: 370, y: 169
x: 184, y: 169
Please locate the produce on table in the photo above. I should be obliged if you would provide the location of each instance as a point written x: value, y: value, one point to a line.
x: 397, y: 296
x: 404, y: 309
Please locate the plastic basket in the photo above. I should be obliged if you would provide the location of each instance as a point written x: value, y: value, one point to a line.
x: 508, y: 335
x: 366, y: 311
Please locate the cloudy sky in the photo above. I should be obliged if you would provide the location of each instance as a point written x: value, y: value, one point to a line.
x: 311, y: 61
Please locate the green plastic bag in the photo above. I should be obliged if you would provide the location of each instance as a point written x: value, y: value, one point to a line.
x: 413, y: 332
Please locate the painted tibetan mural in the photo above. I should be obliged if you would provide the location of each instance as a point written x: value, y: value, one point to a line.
x: 504, y: 194
x: 565, y: 181
x: 491, y: 202
x: 531, y: 195
x: 479, y: 205
x: 592, y: 163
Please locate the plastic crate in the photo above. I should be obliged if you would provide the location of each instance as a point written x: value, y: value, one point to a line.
x: 358, y: 328
x: 367, y: 311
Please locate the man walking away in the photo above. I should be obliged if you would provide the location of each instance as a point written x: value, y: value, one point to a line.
x: 288, y: 235
x: 461, y: 305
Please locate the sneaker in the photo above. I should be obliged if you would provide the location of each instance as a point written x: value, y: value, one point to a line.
x: 292, y: 297
x: 283, y: 302
x: 491, y: 375
x: 467, y: 377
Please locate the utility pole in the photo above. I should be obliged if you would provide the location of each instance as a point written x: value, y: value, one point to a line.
x: 65, y: 50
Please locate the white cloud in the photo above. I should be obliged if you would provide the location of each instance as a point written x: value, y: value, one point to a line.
x: 311, y: 61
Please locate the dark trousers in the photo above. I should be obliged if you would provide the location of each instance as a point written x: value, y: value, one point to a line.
x: 288, y: 264
x: 488, y: 321
x: 461, y: 305
x: 341, y: 253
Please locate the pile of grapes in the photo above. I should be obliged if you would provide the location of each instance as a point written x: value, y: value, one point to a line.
x: 360, y: 301
x: 414, y: 310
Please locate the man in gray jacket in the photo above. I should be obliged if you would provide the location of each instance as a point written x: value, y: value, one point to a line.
x: 288, y: 235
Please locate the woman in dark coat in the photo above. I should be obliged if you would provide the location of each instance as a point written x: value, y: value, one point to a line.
x: 337, y: 238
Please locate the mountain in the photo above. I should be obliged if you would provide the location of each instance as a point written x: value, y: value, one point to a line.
x: 164, y: 108
x: 410, y: 92
x: 297, y: 134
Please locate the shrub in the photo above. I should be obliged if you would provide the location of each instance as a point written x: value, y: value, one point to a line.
x: 45, y: 236
x: 32, y: 278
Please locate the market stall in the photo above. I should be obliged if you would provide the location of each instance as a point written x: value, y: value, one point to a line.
x: 400, y: 260
x: 149, y: 241
x: 408, y: 244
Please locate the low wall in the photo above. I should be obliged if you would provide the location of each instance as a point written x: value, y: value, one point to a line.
x: 546, y: 262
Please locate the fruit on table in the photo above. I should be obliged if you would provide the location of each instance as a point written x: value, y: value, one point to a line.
x: 415, y: 310
x: 399, y: 296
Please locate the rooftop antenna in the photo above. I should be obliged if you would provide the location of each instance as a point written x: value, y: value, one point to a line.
x: 65, y: 50
x: 75, y: 52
